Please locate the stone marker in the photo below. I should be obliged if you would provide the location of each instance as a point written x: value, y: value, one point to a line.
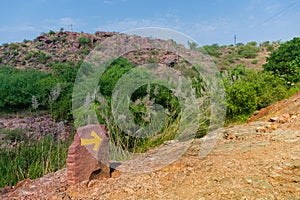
x: 88, y: 155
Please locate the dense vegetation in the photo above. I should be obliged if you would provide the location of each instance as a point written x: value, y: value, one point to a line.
x: 285, y: 62
x: 51, y: 91
x: 247, y: 90
x: 30, y: 158
x: 142, y: 99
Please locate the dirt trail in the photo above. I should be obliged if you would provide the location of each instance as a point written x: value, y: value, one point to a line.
x: 244, y: 164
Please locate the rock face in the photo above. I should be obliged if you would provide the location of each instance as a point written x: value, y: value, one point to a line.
x: 37, y: 127
x: 88, y: 155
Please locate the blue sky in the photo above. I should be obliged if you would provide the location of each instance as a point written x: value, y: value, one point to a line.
x: 206, y: 21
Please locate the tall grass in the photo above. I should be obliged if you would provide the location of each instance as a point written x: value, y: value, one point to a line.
x: 31, y: 159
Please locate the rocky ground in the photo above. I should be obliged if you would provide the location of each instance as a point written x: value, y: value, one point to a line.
x: 245, y: 164
x: 35, y: 127
x: 256, y: 160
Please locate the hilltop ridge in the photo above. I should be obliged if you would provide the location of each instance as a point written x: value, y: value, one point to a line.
x: 65, y: 46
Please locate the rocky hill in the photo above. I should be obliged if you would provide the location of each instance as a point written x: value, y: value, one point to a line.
x: 50, y: 48
x: 65, y: 46
x: 246, y: 163
x: 259, y: 159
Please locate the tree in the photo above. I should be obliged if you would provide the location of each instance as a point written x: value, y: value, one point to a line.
x: 286, y: 61
x: 192, y: 45
x: 18, y: 86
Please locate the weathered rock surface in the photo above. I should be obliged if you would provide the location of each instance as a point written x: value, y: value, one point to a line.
x: 37, y: 127
x: 88, y: 155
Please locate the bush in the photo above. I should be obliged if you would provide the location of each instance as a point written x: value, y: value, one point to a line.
x: 112, y: 74
x: 51, y: 32
x: 248, y: 51
x: 285, y: 61
x: 53, y: 90
x: 212, y: 50
x: 249, y: 90
x: 84, y: 41
x: 141, y: 102
x: 61, y: 95
x: 39, y: 56
x: 17, y: 87
x: 254, y: 62
x: 270, y: 48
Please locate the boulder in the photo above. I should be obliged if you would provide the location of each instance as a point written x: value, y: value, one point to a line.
x: 88, y: 155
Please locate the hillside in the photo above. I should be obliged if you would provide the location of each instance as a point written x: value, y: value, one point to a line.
x: 245, y: 164
x: 65, y: 46
x: 51, y: 48
x: 249, y: 161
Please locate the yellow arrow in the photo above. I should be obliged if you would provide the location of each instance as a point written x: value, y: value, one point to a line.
x: 95, y: 140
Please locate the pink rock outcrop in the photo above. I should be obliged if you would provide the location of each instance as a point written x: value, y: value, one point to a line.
x: 88, y: 155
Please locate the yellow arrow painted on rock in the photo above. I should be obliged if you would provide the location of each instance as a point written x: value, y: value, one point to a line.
x: 95, y: 140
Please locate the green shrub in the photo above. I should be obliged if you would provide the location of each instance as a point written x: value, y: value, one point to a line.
x: 84, y: 41
x: 285, y: 61
x: 141, y: 100
x: 85, y: 51
x: 211, y: 50
x: 17, y: 87
x: 51, y: 32
x: 14, y: 46
x: 254, y: 62
x: 112, y: 74
x: 249, y: 90
x: 248, y: 51
x: 193, y: 45
x: 40, y: 44
x: 270, y: 48
x: 40, y: 56
x: 29, y: 55
x: 61, y: 105
x: 43, y: 57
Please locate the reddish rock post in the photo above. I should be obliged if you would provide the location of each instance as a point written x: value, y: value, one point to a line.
x: 88, y: 155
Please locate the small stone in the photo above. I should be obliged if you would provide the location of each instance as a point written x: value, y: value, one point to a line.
x: 272, y: 127
x: 276, y: 176
x: 273, y: 119
x: 261, y: 129
x: 291, y: 141
x: 276, y: 167
x: 256, y: 113
x: 284, y: 118
x: 293, y: 165
x: 293, y: 117
x: 228, y: 135
x: 248, y: 180
x: 128, y: 190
